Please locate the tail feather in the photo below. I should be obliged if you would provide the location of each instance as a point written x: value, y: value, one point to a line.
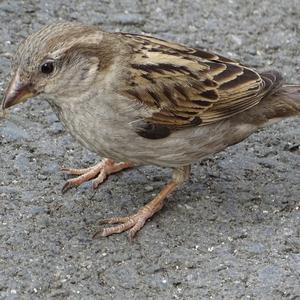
x: 283, y: 103
x: 273, y: 81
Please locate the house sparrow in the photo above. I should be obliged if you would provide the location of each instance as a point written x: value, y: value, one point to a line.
x: 140, y: 100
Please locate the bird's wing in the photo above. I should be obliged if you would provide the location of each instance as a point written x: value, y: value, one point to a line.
x: 189, y: 87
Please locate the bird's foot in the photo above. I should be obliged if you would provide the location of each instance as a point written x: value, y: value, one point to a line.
x: 131, y: 223
x: 135, y: 222
x: 98, y: 173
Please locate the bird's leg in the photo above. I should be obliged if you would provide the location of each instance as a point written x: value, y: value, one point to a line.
x: 135, y: 222
x: 99, y: 172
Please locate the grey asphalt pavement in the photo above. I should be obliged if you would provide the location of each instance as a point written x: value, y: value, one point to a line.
x: 231, y: 232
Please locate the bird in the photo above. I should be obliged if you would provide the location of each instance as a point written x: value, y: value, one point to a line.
x: 139, y: 100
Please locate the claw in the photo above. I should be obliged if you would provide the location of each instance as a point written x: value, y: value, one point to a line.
x: 135, y: 222
x: 98, y: 173
x: 132, y: 224
x: 66, y: 187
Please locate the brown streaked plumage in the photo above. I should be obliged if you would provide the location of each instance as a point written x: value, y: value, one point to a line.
x: 185, y: 83
x: 140, y: 100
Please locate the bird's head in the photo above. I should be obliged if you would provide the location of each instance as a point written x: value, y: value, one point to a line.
x: 60, y: 60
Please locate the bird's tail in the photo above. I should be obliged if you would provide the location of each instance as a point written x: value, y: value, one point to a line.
x: 283, y: 103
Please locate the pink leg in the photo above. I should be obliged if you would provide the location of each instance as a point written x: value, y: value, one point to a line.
x: 135, y: 222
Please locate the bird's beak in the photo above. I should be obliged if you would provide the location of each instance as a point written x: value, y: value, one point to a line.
x: 17, y: 92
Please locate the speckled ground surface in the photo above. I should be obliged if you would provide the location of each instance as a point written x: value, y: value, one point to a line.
x: 231, y: 232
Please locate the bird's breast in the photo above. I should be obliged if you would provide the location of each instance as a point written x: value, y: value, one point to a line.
x: 101, y: 124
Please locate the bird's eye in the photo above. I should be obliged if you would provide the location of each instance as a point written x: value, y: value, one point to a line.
x: 47, y: 67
